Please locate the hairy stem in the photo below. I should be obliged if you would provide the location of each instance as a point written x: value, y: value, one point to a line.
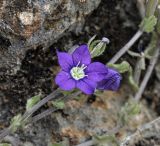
x: 41, y: 103
x: 145, y: 129
x: 87, y: 143
x: 137, y: 72
x: 29, y: 113
x: 27, y: 117
x: 126, y: 47
x: 151, y: 7
x: 53, y: 109
x: 43, y: 114
x: 148, y: 74
x: 5, y: 132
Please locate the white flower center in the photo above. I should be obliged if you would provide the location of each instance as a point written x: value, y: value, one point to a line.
x: 78, y: 72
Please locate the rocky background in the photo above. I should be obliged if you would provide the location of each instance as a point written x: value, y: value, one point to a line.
x: 36, y: 23
x: 31, y: 31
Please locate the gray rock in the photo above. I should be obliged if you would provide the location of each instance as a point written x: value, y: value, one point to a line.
x: 32, y: 23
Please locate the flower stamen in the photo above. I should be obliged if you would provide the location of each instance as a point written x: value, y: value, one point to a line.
x: 78, y: 64
x: 78, y: 72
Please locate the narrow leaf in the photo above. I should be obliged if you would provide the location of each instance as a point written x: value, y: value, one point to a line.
x: 32, y: 101
x: 121, y: 68
x: 16, y: 122
x: 59, y: 104
x: 148, y: 24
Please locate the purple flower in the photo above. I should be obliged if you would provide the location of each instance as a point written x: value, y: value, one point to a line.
x: 78, y: 71
x: 111, y: 81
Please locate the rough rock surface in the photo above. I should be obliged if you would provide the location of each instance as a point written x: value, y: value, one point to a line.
x: 32, y: 23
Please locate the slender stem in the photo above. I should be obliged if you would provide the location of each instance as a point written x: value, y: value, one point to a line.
x: 110, y: 132
x: 141, y: 7
x: 137, y: 72
x: 126, y: 47
x: 138, y: 134
x: 5, y: 132
x: 87, y: 143
x: 154, y: 122
x: 53, y: 109
x: 29, y: 113
x: 43, y: 114
x: 41, y: 103
x: 148, y: 74
x: 151, y: 7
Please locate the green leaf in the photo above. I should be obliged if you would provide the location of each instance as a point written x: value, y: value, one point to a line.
x: 148, y: 24
x: 133, y: 54
x: 93, y: 44
x: 130, y: 109
x: 91, y: 40
x: 98, y: 49
x: 142, y: 63
x: 78, y: 98
x: 131, y: 80
x: 32, y: 101
x: 5, y: 144
x: 16, y: 122
x: 66, y: 93
x: 149, y: 51
x: 121, y: 68
x: 59, y: 104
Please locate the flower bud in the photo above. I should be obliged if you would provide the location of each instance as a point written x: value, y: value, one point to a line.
x: 97, y: 47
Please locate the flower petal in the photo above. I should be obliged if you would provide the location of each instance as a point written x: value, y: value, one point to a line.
x: 111, y: 81
x: 82, y: 55
x: 96, y: 71
x: 87, y: 86
x: 65, y: 60
x: 64, y: 81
